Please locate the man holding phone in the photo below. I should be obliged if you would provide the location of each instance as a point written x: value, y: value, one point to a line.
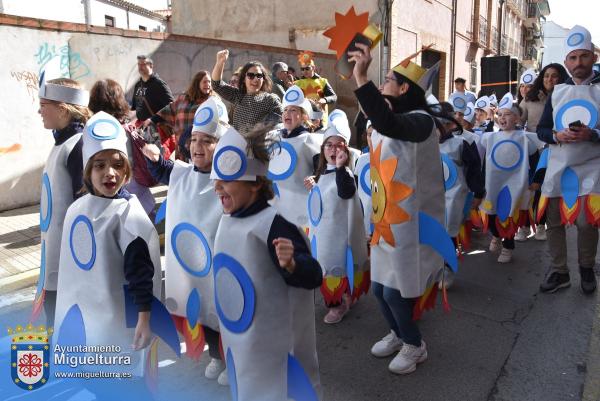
x: 569, y: 124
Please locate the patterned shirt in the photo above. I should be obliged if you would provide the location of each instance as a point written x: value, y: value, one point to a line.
x: 178, y: 114
x: 250, y: 109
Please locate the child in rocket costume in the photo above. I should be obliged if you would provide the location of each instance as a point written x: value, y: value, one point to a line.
x: 63, y: 107
x: 463, y: 183
x: 409, y: 242
x: 193, y: 212
x: 337, y: 230
x: 110, y: 279
x: 510, y: 159
x: 292, y: 158
x: 262, y: 271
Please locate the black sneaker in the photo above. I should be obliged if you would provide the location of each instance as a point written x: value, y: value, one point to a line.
x: 555, y: 281
x: 588, y: 280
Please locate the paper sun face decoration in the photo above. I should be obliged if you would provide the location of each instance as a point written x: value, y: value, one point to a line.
x: 350, y: 29
x: 386, y: 193
x: 306, y: 58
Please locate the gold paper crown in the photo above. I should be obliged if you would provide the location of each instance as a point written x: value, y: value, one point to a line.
x: 30, y: 333
x: 412, y: 70
x: 306, y: 58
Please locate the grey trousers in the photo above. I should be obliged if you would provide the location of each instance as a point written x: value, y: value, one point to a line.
x: 587, y: 239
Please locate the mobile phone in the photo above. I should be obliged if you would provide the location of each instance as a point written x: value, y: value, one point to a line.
x: 344, y: 67
x: 575, y: 124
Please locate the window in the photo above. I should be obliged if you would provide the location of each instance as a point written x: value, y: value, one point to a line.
x: 109, y: 21
x: 142, y: 28
x: 473, y: 76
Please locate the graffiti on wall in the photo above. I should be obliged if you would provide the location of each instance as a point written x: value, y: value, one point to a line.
x: 70, y: 63
x: 29, y: 79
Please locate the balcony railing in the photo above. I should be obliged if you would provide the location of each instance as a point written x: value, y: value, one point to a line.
x: 494, y: 44
x: 482, y: 31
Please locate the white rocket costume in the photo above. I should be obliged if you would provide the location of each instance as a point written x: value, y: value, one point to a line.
x: 263, y: 321
x: 192, y: 217
x: 455, y: 183
x: 92, y: 306
x: 292, y: 161
x: 363, y: 172
x: 337, y: 231
x: 57, y: 191
x: 507, y: 175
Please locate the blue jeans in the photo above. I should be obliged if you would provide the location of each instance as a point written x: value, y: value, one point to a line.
x: 398, y: 312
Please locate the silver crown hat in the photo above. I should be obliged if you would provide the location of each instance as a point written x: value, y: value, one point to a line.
x: 233, y: 161
x: 102, y: 132
x: 209, y: 117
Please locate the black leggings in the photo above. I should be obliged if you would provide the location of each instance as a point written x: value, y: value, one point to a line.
x: 507, y: 243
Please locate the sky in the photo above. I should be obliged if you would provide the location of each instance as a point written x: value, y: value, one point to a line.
x: 577, y: 12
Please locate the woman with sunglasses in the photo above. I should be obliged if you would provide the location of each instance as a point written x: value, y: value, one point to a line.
x: 252, y: 101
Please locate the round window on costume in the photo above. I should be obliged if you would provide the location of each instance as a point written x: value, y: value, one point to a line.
x: 83, y: 242
x: 230, y: 163
x: 104, y: 129
x: 191, y: 249
x: 292, y: 95
x: 450, y: 171
x: 507, y: 155
x: 315, y: 206
x: 576, y: 110
x: 284, y: 161
x: 204, y: 116
x: 459, y: 102
x: 235, y: 297
x: 575, y: 39
x: 45, y: 204
x: 365, y: 183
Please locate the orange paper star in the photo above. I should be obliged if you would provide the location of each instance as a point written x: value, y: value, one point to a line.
x: 312, y: 91
x: 346, y: 26
x: 386, y: 193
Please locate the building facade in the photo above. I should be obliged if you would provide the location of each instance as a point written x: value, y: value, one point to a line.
x: 135, y: 14
x: 461, y: 31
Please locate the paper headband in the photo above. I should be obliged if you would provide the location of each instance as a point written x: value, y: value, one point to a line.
x: 61, y: 93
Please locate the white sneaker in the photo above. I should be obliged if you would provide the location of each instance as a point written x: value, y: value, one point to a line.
x: 407, y: 359
x: 522, y: 234
x: 387, y: 345
x: 447, y: 278
x: 214, y: 368
x: 495, y: 244
x: 540, y: 232
x: 505, y: 256
x: 223, y: 379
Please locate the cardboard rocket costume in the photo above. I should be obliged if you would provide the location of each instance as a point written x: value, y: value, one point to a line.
x: 409, y: 242
x: 267, y: 326
x: 57, y: 191
x: 94, y: 307
x: 292, y: 161
x: 507, y: 175
x: 190, y: 236
x: 337, y: 232
x: 363, y: 172
x: 573, y: 169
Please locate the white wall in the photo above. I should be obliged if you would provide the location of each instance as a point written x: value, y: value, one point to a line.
x: 59, y: 10
x: 100, y: 9
x: 554, y: 43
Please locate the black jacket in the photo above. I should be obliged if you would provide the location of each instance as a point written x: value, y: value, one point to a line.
x: 157, y: 93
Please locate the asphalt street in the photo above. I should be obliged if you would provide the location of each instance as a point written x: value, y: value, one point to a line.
x: 502, y: 340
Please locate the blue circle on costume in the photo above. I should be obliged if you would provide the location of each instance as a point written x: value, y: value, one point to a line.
x: 113, y: 129
x: 503, y: 143
x: 586, y: 104
x: 575, y: 39
x: 203, y: 116
x: 45, y: 219
x: 221, y: 108
x: 527, y: 78
x: 241, y: 170
x: 292, y: 95
x: 287, y: 147
x: 459, y: 102
x: 364, y: 184
x: 452, y: 171
x: 315, y: 215
x: 468, y: 111
x: 81, y: 219
x: 224, y: 261
x: 481, y: 104
x: 182, y: 227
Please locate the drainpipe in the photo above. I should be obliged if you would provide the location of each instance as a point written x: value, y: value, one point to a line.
x: 87, y: 12
x: 386, y: 28
x: 127, y: 13
x: 452, y: 47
